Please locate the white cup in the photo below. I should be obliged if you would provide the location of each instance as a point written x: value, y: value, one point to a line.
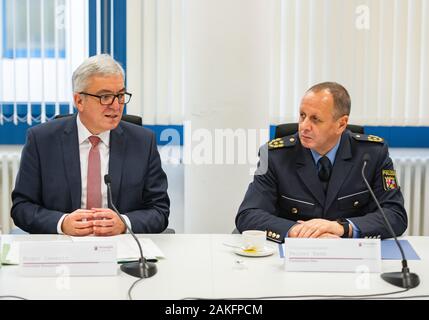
x: 254, y: 239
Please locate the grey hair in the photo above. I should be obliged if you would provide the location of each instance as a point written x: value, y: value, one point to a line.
x: 99, y: 65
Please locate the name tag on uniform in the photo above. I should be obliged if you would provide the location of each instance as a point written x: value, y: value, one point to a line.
x: 332, y: 255
x: 55, y: 259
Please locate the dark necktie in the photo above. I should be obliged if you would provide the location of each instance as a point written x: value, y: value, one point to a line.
x: 325, y: 171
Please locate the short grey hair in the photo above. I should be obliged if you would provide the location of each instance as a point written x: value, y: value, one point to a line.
x: 99, y: 65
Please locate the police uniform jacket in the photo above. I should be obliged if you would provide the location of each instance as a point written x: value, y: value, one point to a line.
x: 286, y: 188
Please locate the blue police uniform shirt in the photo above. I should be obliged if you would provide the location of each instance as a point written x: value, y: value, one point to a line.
x: 331, y: 156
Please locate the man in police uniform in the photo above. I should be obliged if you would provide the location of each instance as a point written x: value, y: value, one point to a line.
x: 312, y: 185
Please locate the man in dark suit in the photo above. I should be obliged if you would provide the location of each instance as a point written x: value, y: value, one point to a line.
x: 59, y: 186
x: 310, y: 184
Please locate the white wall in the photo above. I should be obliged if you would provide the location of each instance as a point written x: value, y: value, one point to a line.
x: 227, y: 50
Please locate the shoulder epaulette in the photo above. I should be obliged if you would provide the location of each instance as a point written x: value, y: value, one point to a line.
x: 365, y: 137
x: 288, y: 141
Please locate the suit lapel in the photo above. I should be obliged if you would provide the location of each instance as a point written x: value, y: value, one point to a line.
x: 70, y: 146
x: 116, y: 160
x: 307, y: 172
x: 340, y: 170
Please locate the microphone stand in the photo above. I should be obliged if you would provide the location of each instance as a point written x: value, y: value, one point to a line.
x: 142, y: 268
x: 403, y: 279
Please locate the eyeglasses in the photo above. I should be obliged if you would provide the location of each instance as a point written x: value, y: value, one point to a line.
x: 108, y: 99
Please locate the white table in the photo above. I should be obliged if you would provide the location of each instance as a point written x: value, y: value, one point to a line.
x: 200, y: 266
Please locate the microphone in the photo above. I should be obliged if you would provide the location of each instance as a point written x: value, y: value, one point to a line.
x: 142, y: 268
x: 403, y: 279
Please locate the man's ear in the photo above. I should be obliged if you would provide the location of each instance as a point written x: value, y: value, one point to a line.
x: 77, y: 98
x: 342, y: 123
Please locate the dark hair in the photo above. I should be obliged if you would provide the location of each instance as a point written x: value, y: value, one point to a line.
x: 342, y: 103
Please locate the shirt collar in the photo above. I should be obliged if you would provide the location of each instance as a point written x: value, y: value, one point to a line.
x: 331, y: 154
x: 84, y: 134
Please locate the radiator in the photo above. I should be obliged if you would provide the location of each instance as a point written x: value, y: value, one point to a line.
x: 413, y: 177
x: 412, y: 172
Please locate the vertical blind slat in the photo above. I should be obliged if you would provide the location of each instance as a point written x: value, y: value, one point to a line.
x: 384, y: 84
x: 28, y: 63
x: 68, y: 47
x: 112, y: 25
x: 15, y: 112
x: 149, y: 62
x: 176, y: 62
x: 42, y: 58
x: 56, y: 53
x: 398, y: 77
x: 163, y: 52
x: 98, y: 25
x: 287, y: 68
x: 275, y: 80
x: 412, y: 61
x: 369, y: 63
x: 424, y: 71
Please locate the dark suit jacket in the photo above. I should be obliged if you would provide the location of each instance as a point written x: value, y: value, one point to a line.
x: 48, y: 183
x: 290, y: 190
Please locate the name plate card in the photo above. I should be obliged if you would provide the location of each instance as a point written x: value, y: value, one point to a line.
x: 58, y: 258
x: 332, y: 255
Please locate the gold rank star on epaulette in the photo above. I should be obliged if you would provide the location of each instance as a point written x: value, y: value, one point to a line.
x: 365, y: 137
x: 282, y: 142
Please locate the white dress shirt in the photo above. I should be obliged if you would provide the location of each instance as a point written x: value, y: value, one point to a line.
x: 84, y: 147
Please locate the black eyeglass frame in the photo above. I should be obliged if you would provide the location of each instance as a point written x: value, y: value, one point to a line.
x: 126, y: 96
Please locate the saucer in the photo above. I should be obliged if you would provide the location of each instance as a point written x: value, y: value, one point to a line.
x: 266, y: 251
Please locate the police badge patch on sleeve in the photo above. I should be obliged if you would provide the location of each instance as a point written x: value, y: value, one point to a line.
x: 389, y: 180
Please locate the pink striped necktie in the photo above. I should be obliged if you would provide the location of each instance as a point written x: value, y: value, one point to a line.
x: 93, y: 187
